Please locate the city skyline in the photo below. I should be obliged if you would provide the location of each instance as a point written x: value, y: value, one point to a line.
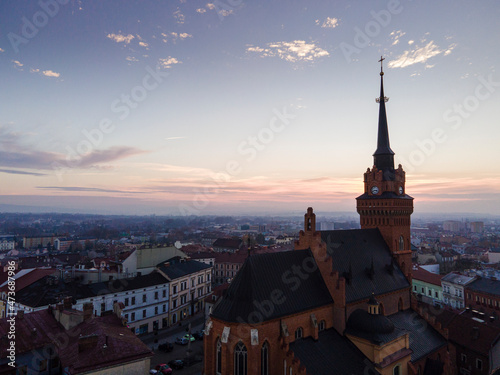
x: 231, y: 106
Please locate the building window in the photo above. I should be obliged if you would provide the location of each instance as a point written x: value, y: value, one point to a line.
x: 164, y: 293
x: 132, y: 317
x: 126, y: 301
x: 264, y: 354
x: 298, y: 333
x: 218, y: 359
x: 144, y: 298
x: 436, y: 294
x: 401, y: 243
x: 174, y: 303
x: 143, y: 313
x: 322, y: 325
x: 183, y: 299
x: 423, y: 290
x: 156, y: 310
x: 156, y: 295
x: 174, y: 289
x: 240, y: 359
x: 164, y: 308
x: 479, y: 364
x: 463, y: 358
x: 430, y: 293
x: 133, y: 301
x: 396, y: 370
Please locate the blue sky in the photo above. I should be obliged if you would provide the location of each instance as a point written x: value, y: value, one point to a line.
x: 237, y: 106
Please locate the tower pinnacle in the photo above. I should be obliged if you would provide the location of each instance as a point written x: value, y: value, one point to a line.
x: 383, y: 158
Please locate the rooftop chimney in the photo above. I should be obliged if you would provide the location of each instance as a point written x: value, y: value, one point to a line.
x: 67, y: 303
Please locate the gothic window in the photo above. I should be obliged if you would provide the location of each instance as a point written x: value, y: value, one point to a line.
x: 218, y: 358
x: 401, y: 243
x: 240, y: 359
x: 265, y: 359
x: 396, y: 370
x: 298, y: 333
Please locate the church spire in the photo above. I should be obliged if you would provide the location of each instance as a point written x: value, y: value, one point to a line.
x: 383, y: 158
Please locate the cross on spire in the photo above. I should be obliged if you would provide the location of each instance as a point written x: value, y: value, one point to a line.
x: 381, y: 67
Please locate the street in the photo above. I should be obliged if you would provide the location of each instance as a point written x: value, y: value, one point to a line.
x: 180, y: 351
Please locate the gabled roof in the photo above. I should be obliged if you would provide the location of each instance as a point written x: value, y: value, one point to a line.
x: 422, y: 274
x: 33, y: 331
x: 423, y: 338
x: 121, y: 285
x: 27, y: 277
x: 264, y: 275
x: 353, y: 252
x: 178, y: 267
x: 472, y: 334
x: 331, y: 354
x: 115, y: 345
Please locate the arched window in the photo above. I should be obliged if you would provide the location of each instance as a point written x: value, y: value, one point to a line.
x: 396, y: 370
x: 401, y: 243
x: 218, y: 358
x: 298, y: 333
x: 264, y: 359
x: 240, y: 359
x: 322, y: 326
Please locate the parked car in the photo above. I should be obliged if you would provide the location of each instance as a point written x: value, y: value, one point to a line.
x: 189, y: 337
x: 198, y: 335
x: 181, y: 341
x: 176, y: 364
x: 166, y: 347
x: 161, y: 369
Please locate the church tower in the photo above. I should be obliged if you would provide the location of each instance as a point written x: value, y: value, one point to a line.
x: 384, y: 203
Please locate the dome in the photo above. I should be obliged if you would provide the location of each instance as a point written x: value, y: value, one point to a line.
x: 363, y: 322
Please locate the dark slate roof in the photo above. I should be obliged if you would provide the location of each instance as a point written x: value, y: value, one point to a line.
x: 423, y: 338
x: 486, y: 286
x: 353, y: 253
x: 229, y: 243
x: 331, y: 354
x: 265, y: 277
x: 376, y: 328
x: 121, y: 285
x: 178, y: 268
x: 43, y: 293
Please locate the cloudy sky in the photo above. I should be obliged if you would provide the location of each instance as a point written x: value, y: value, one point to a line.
x: 196, y: 107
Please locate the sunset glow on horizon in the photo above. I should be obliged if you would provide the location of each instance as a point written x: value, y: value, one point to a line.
x: 189, y: 107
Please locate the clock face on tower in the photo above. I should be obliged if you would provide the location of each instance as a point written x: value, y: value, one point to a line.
x: 400, y: 190
x: 374, y: 190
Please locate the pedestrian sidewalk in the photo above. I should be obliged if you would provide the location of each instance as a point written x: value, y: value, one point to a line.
x: 195, y: 320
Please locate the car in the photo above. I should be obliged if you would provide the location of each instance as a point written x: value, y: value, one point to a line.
x: 166, y: 347
x: 181, y: 341
x: 176, y: 364
x: 198, y: 335
x: 161, y: 369
x: 189, y: 337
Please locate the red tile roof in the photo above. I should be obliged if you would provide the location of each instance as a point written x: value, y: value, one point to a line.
x: 422, y: 274
x: 31, y: 277
x: 115, y: 345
